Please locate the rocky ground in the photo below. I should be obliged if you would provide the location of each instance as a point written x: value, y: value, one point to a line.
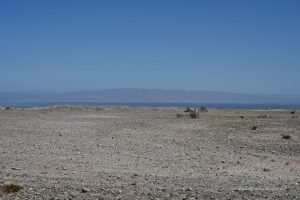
x: 149, y: 153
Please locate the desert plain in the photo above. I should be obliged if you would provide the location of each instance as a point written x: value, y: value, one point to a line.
x: 149, y: 153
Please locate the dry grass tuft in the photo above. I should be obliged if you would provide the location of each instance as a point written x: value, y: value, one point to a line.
x: 11, y: 188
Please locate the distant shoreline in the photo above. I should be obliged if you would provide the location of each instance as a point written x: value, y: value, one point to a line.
x: 144, y: 101
x: 179, y: 104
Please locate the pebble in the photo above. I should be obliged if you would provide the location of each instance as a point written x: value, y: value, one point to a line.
x: 85, y: 190
x: 133, y: 183
x: 266, y: 170
x: 72, y: 195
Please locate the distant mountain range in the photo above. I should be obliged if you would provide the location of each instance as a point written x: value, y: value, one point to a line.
x: 147, y: 95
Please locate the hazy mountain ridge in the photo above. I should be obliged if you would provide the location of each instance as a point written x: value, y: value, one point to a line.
x: 146, y: 95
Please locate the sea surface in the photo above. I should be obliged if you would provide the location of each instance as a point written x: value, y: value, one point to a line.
x: 159, y: 104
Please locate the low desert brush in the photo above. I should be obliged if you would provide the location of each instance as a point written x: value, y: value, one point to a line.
x: 11, y: 188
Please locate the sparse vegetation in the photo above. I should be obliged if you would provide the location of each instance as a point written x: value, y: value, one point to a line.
x: 187, y: 110
x: 11, y: 188
x: 286, y: 137
x: 242, y: 117
x: 192, y: 113
x: 253, y: 128
x: 293, y: 112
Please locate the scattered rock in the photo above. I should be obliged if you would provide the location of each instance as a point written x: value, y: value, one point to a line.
x: 73, y: 195
x: 133, y: 183
x: 114, y: 171
x: 286, y: 137
x: 262, y: 116
x: 135, y: 174
x: 287, y: 163
x: 266, y: 170
x: 85, y: 190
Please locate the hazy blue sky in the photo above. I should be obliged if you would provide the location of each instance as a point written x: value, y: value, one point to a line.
x: 239, y: 46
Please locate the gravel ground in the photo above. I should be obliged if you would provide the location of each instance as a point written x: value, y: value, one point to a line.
x: 149, y: 153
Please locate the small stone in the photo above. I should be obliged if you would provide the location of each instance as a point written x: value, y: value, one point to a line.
x: 133, y: 183
x: 266, y: 170
x: 72, y: 195
x: 135, y: 174
x: 30, y: 189
x: 85, y: 190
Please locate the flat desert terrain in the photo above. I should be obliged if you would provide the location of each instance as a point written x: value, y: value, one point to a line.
x: 149, y: 153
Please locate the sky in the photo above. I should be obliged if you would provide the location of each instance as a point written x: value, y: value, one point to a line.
x: 245, y: 46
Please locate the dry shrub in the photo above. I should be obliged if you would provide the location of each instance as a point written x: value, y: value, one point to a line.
x: 194, y: 114
x: 11, y: 188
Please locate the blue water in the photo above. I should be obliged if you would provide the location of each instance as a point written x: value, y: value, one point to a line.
x: 158, y: 104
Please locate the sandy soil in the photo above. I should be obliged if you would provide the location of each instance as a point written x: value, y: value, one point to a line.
x: 149, y: 153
